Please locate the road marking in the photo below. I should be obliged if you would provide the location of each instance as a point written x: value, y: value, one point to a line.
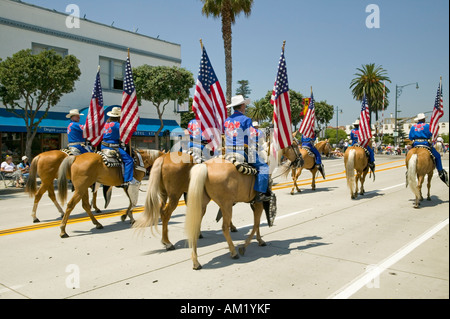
x: 375, y: 271
x: 137, y: 210
x: 10, y: 289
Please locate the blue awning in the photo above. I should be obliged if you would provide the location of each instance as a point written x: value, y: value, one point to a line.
x: 56, y: 122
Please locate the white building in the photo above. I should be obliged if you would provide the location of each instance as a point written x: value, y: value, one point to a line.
x: 25, y: 26
x: 405, y: 124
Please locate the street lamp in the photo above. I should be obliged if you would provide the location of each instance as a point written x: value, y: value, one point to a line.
x: 398, y: 92
x: 337, y: 123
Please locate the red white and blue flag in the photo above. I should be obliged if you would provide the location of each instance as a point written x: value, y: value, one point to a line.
x: 95, y: 120
x: 309, y: 121
x: 209, y: 103
x: 365, y: 131
x: 129, y: 119
x: 438, y: 112
x: 282, y: 124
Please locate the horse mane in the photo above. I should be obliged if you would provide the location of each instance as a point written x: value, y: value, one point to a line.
x: 153, y: 154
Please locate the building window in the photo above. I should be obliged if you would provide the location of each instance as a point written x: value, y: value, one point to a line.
x: 37, y: 48
x: 112, y: 73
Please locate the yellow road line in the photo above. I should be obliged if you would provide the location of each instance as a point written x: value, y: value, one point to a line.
x: 138, y: 210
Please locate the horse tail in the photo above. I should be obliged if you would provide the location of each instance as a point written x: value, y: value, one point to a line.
x: 350, y: 170
x: 63, y: 176
x: 411, y: 175
x: 196, y: 189
x: 31, y: 186
x: 152, y: 205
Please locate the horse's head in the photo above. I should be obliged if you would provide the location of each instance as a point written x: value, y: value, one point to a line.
x: 149, y: 156
x: 292, y: 153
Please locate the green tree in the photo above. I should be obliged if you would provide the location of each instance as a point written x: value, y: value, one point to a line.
x: 324, y: 114
x: 370, y: 78
x: 260, y: 111
x: 32, y: 83
x: 160, y: 85
x: 243, y: 89
x: 330, y: 134
x: 228, y: 10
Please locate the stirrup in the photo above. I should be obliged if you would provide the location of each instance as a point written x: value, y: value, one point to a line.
x: 444, y: 177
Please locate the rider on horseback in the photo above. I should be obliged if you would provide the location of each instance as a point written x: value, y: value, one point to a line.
x: 354, y: 134
x: 309, y: 143
x: 111, y: 141
x: 77, y: 144
x: 420, y: 133
x: 237, y: 132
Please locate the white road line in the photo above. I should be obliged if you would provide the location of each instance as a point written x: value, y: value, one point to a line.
x: 375, y: 271
x: 10, y: 289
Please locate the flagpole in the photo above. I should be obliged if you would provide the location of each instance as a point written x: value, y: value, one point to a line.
x: 201, y: 44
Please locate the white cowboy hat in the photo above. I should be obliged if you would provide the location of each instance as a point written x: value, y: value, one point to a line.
x: 238, y: 100
x: 115, y: 112
x: 24, y: 157
x: 356, y: 122
x: 420, y: 116
x: 255, y: 123
x: 73, y: 112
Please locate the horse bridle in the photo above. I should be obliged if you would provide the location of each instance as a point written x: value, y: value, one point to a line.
x: 298, y: 162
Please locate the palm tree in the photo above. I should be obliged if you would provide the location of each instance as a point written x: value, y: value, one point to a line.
x: 370, y: 78
x: 228, y: 10
x: 260, y: 111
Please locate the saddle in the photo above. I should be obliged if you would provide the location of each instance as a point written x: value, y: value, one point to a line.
x: 70, y: 152
x: 242, y: 166
x: 308, y: 149
x: 365, y: 149
x: 111, y: 158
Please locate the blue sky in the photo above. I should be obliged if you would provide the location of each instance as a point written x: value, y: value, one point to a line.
x: 326, y: 40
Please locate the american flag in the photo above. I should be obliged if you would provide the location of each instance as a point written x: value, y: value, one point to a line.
x: 282, y: 125
x: 129, y: 119
x: 209, y: 103
x: 365, y: 131
x: 309, y: 121
x: 438, y: 112
x: 93, y: 129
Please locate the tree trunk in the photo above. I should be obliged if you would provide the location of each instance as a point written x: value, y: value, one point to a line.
x: 226, y: 34
x: 29, y: 142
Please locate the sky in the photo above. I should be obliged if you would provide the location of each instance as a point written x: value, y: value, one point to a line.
x: 326, y: 41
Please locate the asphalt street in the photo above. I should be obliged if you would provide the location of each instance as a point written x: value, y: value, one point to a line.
x: 323, y: 245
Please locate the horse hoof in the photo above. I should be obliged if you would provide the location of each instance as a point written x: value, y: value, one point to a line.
x: 36, y: 220
x: 98, y: 211
x: 170, y: 248
x: 64, y: 235
x: 99, y: 226
x: 123, y: 217
x: 262, y: 244
x: 233, y: 229
x: 200, y: 236
x: 198, y: 267
x: 429, y: 199
x: 241, y: 250
x: 235, y: 256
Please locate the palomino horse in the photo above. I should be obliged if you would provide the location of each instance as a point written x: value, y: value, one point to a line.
x: 355, y: 158
x: 310, y: 164
x: 219, y: 180
x: 46, y: 166
x: 85, y: 170
x: 419, y: 163
x: 168, y: 181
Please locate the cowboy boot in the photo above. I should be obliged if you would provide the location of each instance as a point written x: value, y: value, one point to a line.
x: 444, y: 177
x: 372, y: 167
x: 321, y: 170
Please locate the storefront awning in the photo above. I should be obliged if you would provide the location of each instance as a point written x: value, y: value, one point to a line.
x: 56, y: 122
